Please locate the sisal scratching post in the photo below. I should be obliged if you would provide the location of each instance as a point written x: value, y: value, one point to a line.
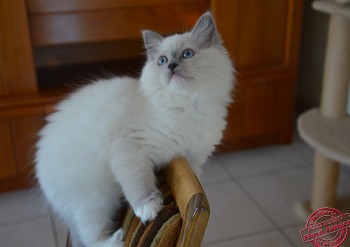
x: 333, y: 101
x: 327, y: 129
x: 325, y: 181
x: 337, y: 69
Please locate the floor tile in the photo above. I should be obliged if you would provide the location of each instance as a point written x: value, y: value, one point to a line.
x: 213, y: 172
x: 261, y: 240
x: 32, y: 233
x: 277, y: 192
x: 232, y: 213
x: 21, y: 205
x: 259, y: 161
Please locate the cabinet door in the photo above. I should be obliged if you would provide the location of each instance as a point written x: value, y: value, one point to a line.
x: 262, y: 37
x: 82, y: 21
x: 17, y: 141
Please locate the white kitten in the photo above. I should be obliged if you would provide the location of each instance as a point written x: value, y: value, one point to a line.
x: 105, y: 140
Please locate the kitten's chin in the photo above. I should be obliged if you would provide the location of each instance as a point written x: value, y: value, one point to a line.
x: 175, y: 77
x: 178, y: 78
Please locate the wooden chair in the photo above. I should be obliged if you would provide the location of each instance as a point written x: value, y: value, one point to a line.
x: 190, y: 202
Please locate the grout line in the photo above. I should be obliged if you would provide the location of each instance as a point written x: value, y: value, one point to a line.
x: 53, y: 229
x: 301, y: 225
x: 223, y: 167
x: 216, y: 182
x: 280, y: 230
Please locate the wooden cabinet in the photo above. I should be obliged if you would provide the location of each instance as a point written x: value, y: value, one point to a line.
x: 262, y: 37
x: 41, y: 40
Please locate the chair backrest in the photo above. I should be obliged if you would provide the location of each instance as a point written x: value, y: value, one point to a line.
x: 191, y: 200
x: 182, y: 221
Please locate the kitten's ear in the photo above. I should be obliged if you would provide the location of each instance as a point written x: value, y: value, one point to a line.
x: 152, y: 42
x: 205, y: 31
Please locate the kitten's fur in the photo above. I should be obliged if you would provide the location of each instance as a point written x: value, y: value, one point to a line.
x: 106, y: 139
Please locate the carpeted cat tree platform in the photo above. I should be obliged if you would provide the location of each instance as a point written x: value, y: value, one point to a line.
x: 327, y: 129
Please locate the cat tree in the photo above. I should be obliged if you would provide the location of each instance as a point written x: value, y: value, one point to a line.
x: 327, y: 129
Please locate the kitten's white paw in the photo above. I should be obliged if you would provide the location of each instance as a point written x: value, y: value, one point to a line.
x: 118, y: 235
x: 149, y: 207
x: 117, y: 238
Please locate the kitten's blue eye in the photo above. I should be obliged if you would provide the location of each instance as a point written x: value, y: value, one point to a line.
x: 162, y: 60
x: 188, y: 53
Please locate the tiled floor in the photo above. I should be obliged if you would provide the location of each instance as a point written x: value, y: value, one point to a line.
x: 250, y: 192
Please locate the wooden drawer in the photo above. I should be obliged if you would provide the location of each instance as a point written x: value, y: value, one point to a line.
x: 67, y: 22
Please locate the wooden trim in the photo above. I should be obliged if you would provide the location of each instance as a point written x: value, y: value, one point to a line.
x: 293, y: 34
x: 21, y: 181
x: 8, y: 167
x: 45, y: 6
x: 17, y: 72
x: 38, y: 104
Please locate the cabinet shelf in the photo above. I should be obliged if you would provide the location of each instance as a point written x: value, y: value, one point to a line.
x: 72, y: 76
x: 330, y: 137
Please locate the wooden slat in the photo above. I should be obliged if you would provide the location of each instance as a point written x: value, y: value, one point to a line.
x: 111, y: 24
x: 45, y: 6
x: 17, y: 73
x: 191, y: 200
x: 182, y: 182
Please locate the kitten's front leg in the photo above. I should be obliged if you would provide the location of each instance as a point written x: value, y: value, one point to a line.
x: 135, y: 174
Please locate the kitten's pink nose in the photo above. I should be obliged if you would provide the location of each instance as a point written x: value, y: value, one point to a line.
x: 172, y: 66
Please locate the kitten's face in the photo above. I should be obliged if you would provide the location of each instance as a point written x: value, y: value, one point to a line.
x: 177, y: 60
x: 189, y: 63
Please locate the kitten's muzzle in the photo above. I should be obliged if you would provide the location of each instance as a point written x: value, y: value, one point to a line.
x: 172, y: 66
